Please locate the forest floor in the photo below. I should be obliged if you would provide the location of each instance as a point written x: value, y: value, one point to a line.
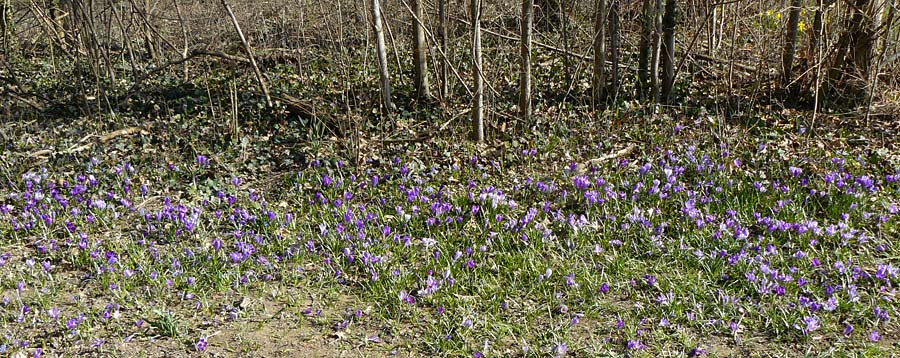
x: 162, y: 233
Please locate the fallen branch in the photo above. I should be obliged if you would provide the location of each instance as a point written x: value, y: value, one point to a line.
x: 102, y: 139
x: 125, y: 131
x: 583, y: 168
x: 40, y: 153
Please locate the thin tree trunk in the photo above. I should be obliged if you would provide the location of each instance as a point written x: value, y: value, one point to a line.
x: 614, y: 49
x: 421, y: 65
x: 888, y: 23
x: 644, y: 52
x: 55, y: 13
x: 525, y: 80
x: 564, y: 24
x: 657, y: 47
x: 382, y: 60
x: 711, y: 37
x: 790, y: 43
x: 818, y: 29
x: 184, y: 36
x: 668, y: 59
x: 148, y: 38
x: 851, y: 64
x: 4, y: 5
x: 599, y: 76
x: 259, y: 75
x: 478, y: 103
x: 442, y: 32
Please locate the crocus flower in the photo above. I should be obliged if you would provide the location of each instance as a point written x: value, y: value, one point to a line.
x: 201, y: 345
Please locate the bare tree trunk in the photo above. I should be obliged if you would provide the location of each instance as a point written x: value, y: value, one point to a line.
x: 818, y: 30
x: 882, y: 24
x: 644, y: 52
x: 55, y: 13
x: 421, y: 65
x: 564, y: 26
x: 148, y: 38
x: 818, y: 24
x: 525, y: 80
x: 851, y: 64
x: 259, y: 75
x: 599, y: 77
x: 790, y: 43
x: 4, y: 24
x: 711, y: 34
x: 657, y: 47
x: 478, y: 105
x: 668, y: 59
x: 382, y: 60
x: 445, y: 71
x: 888, y: 23
x: 184, y: 37
x: 614, y: 49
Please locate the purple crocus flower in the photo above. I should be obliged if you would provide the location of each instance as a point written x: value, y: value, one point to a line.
x: 570, y: 280
x: 202, y: 161
x: 201, y: 345
x: 406, y: 297
x: 874, y: 336
x: 604, y: 288
x: 635, y: 344
x: 810, y: 324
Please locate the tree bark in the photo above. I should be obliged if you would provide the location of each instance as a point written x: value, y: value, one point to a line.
x: 815, y: 34
x: 850, y: 66
x: 644, y: 49
x: 148, y: 37
x: 478, y: 102
x: 382, y: 60
x: 442, y: 32
x: 564, y: 27
x: 888, y: 23
x: 614, y: 49
x: 711, y: 34
x: 599, y: 75
x: 656, y: 48
x: 790, y: 43
x: 55, y: 13
x: 668, y: 57
x: 421, y: 62
x: 525, y: 47
x: 4, y: 5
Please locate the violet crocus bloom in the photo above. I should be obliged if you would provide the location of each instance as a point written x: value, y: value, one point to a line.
x: 201, y: 345
x: 874, y: 336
